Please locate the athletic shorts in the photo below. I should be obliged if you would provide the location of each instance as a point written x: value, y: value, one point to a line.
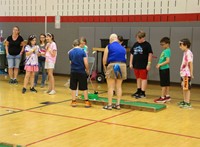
x: 164, y: 77
x: 78, y: 79
x: 141, y: 73
x: 49, y: 65
x: 13, y: 61
x: 186, y: 83
x: 122, y: 74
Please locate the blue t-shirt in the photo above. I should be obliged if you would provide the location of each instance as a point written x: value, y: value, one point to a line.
x: 116, y: 53
x: 76, y: 56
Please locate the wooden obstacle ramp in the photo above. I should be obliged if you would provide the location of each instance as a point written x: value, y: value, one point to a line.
x: 135, y: 105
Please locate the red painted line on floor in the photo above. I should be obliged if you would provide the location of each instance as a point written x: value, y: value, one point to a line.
x: 78, y: 128
x: 66, y: 116
x: 11, y: 108
x: 152, y: 130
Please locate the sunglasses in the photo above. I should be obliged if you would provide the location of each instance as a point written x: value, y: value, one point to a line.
x: 49, y: 34
x: 32, y: 36
x: 180, y: 43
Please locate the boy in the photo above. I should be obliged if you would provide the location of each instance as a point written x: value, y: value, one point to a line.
x: 79, y: 72
x: 140, y: 61
x: 164, y: 72
x: 186, y: 72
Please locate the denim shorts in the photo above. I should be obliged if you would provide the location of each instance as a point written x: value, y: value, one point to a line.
x: 13, y: 61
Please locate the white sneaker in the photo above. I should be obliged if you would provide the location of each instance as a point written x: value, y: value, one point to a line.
x: 52, y: 92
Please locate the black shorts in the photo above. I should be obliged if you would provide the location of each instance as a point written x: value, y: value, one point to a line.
x: 164, y: 77
x: 78, y: 79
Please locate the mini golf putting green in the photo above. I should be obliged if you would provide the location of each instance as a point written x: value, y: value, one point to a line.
x: 136, y: 105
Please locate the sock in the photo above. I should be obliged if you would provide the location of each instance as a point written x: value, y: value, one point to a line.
x: 162, y: 97
x: 167, y: 95
x: 139, y: 90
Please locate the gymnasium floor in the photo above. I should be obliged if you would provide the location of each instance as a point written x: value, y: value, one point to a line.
x: 25, y: 121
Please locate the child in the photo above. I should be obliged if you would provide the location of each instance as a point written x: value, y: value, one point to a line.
x: 51, y: 54
x: 79, y: 72
x: 163, y: 66
x: 140, y: 61
x: 83, y: 45
x: 31, y: 65
x: 41, y: 60
x: 186, y: 72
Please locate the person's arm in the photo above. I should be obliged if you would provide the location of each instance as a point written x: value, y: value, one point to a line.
x: 52, y: 51
x: 6, y: 47
x: 149, y: 61
x: 23, y: 43
x: 191, y: 69
x: 105, y: 58
x: 29, y: 52
x: 85, y: 59
x: 131, y: 61
x: 161, y: 64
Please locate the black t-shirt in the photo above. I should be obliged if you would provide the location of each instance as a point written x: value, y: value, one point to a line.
x: 14, y: 47
x: 140, y: 52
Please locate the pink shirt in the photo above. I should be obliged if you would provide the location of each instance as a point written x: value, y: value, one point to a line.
x: 49, y: 57
x: 187, y: 57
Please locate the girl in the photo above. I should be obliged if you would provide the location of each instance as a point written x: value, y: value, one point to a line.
x: 51, y: 54
x: 31, y: 65
x: 41, y: 60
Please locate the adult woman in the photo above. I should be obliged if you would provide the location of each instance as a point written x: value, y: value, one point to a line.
x: 14, y: 50
x: 114, y: 63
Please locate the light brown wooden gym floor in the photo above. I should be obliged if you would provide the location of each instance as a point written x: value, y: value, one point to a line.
x: 24, y: 121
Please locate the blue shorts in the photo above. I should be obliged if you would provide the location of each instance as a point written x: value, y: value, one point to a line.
x: 13, y: 61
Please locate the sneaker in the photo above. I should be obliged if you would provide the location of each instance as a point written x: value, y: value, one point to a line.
x: 73, y: 104
x: 52, y: 92
x: 42, y: 86
x: 10, y: 81
x: 23, y: 90
x: 33, y: 90
x: 15, y: 81
x: 167, y: 98
x: 135, y: 94
x: 47, y: 91
x: 181, y: 103
x: 87, y: 104
x: 140, y: 95
x: 160, y: 100
x: 186, y: 105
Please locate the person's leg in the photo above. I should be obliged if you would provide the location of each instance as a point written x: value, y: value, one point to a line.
x: 10, y: 68
x: 119, y: 90
x: 163, y: 92
x: 37, y: 74
x: 51, y: 79
x: 143, y: 84
x: 111, y: 87
x: 10, y: 72
x: 16, y: 67
x: 26, y: 78
x: 43, y: 73
x: 32, y: 75
x: 187, y: 96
